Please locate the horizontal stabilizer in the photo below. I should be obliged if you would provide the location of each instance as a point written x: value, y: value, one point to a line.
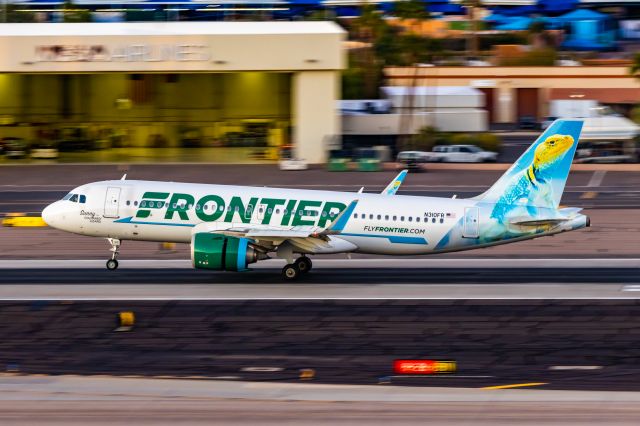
x: 539, y: 222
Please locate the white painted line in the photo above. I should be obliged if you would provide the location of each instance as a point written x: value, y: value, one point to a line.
x: 434, y: 376
x: 632, y: 287
x: 261, y: 369
x: 575, y: 367
x: 596, y: 178
x: 383, y: 262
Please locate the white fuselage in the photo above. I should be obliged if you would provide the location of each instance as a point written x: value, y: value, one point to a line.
x: 380, y: 224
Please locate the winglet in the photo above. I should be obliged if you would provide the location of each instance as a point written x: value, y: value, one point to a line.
x: 341, y: 221
x: 393, y: 186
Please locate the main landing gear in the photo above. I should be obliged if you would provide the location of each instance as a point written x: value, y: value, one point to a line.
x: 292, y: 271
x: 112, y: 263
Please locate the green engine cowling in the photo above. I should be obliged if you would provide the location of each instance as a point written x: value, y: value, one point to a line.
x: 222, y: 253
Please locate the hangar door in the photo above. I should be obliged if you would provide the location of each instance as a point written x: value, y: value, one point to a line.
x: 527, y: 103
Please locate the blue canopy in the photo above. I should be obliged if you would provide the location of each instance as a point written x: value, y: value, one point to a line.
x: 516, y: 24
x: 584, y: 15
x: 496, y: 17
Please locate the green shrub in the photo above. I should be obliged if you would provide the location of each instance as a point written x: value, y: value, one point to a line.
x: 462, y: 139
x: 489, y: 142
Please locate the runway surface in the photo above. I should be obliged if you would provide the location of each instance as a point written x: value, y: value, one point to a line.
x: 66, y: 400
x: 330, y: 279
x: 548, y: 344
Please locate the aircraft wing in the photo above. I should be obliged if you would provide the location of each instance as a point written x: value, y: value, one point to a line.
x: 307, y: 238
x: 393, y: 186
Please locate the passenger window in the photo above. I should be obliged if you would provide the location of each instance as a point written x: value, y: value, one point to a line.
x: 379, y: 217
x: 277, y: 211
x: 386, y: 217
x: 395, y: 218
x: 417, y: 219
x: 128, y: 202
x: 410, y: 219
x: 441, y: 220
x: 197, y: 206
x: 401, y: 218
x: 135, y: 203
x: 261, y: 210
x: 370, y: 216
x: 355, y: 215
x: 433, y: 220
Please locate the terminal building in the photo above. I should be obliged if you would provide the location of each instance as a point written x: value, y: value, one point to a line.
x: 252, y: 86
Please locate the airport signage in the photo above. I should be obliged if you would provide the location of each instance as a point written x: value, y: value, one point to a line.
x: 143, y: 52
x: 423, y: 366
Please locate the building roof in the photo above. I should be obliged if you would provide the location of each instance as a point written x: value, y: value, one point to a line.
x: 584, y: 15
x: 169, y: 28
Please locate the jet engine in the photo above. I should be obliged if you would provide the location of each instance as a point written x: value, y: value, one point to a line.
x: 223, y: 253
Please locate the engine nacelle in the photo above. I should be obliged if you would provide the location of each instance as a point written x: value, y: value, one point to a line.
x: 222, y: 253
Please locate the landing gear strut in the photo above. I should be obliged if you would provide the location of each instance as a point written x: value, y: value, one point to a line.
x: 112, y: 263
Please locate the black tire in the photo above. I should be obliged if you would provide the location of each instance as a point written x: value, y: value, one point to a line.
x: 290, y: 272
x: 112, y: 264
x: 304, y: 264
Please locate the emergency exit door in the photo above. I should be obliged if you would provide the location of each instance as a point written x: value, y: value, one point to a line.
x: 112, y: 202
x: 470, y: 228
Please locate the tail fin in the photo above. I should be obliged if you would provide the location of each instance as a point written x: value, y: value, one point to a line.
x: 538, y: 177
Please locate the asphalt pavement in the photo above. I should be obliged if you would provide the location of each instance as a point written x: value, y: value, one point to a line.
x: 548, y: 344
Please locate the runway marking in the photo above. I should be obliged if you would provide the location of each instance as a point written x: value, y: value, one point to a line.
x: 633, y: 287
x: 516, y: 385
x: 261, y: 369
x: 596, y: 178
x: 575, y: 367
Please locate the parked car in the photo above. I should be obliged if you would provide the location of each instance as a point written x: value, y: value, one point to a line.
x: 527, y: 122
x: 44, y: 151
x: 461, y: 154
x: 14, y: 147
x: 412, y: 160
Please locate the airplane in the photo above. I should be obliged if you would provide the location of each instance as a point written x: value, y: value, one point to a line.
x: 231, y: 227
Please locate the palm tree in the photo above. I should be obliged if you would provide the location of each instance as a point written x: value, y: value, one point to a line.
x: 411, y: 9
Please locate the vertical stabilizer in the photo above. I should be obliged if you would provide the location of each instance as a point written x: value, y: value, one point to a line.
x: 538, y: 177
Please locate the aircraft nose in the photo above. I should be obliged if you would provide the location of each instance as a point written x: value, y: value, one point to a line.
x: 49, y: 214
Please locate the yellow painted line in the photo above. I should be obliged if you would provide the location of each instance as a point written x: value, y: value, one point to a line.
x: 24, y: 221
x: 589, y: 195
x: 516, y: 385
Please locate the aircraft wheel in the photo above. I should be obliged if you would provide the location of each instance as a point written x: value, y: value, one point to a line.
x: 304, y: 264
x: 112, y: 264
x: 291, y: 272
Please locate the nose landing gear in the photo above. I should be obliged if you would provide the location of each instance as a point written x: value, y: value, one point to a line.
x: 112, y: 263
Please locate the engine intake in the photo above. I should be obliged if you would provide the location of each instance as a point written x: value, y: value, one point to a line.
x: 222, y: 253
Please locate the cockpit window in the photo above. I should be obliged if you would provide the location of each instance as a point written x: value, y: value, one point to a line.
x: 75, y: 198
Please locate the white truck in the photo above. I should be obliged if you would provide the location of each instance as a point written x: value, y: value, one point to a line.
x: 461, y: 154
